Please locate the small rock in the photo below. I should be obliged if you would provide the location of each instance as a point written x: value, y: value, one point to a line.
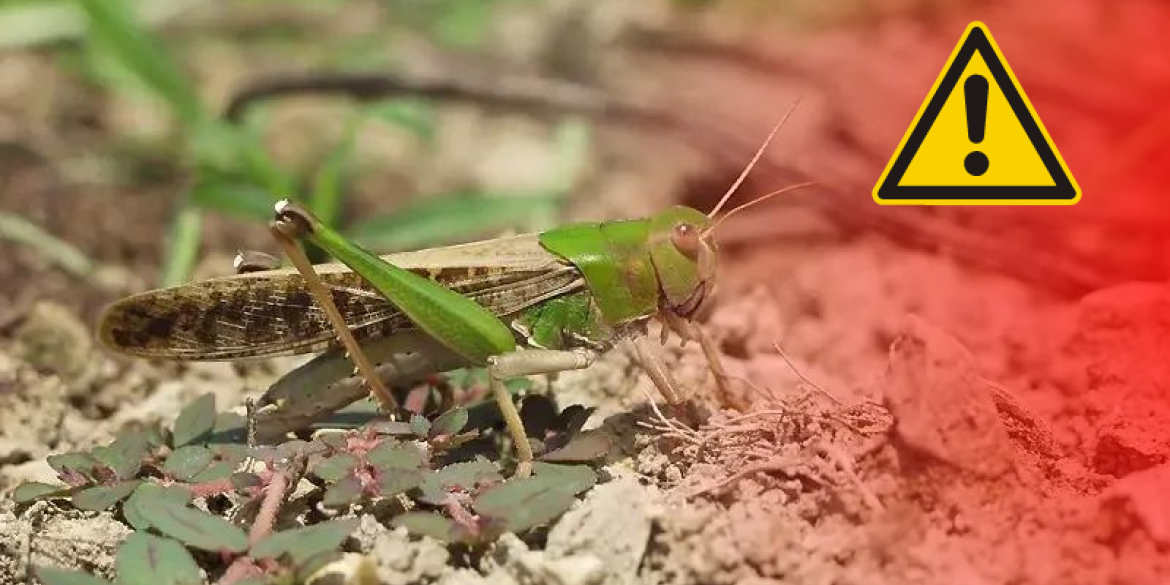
x: 53, y: 340
x: 942, y: 405
x: 68, y: 539
x: 469, y: 577
x: 1123, y: 448
x: 1142, y: 497
x: 350, y: 569
x: 532, y: 567
x: 1121, y: 343
x: 31, y: 413
x: 401, y: 560
x: 35, y: 470
x: 613, y: 523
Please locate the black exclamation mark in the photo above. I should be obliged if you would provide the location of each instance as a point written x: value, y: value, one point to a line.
x: 975, y: 90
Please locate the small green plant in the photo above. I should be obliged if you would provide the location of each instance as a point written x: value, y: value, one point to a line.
x: 233, y: 174
x: 160, y: 483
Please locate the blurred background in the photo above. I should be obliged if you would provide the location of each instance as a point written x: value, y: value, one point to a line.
x: 143, y: 142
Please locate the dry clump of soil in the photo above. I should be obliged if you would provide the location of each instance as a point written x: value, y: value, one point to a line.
x: 942, y: 472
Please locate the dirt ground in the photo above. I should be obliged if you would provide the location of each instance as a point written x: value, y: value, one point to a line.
x: 901, y: 413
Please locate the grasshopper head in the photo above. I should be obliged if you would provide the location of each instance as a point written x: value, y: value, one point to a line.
x: 685, y: 259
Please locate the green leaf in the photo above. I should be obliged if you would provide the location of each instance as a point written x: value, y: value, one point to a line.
x: 575, y: 478
x: 188, y: 461
x: 145, y: 559
x: 112, y: 22
x: 582, y: 448
x: 521, y: 504
x: 463, y: 24
x: 449, y: 218
x: 574, y: 139
x: 335, y: 467
x: 154, y: 436
x: 54, y: 576
x: 30, y: 491
x: 449, y: 423
x: 392, y: 482
x: 430, y: 524
x: 393, y: 454
x: 413, y: 114
x: 229, y: 452
x: 103, y: 497
x: 124, y: 456
x: 325, y: 196
x: 467, y: 475
x: 420, y: 425
x: 196, y: 421
x: 215, y: 472
x: 76, y: 462
x: 301, y: 544
x: 395, y: 428
x: 243, y: 480
x: 146, y: 496
x: 233, y: 197
x: 182, y: 244
x: 346, y: 491
x: 194, y: 528
x: 231, y: 431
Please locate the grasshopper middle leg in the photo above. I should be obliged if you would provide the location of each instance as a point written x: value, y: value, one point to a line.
x: 528, y: 362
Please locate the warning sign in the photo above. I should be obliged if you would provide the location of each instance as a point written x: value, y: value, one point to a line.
x: 976, y: 140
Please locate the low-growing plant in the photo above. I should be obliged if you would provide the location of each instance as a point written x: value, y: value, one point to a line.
x: 441, y: 476
x: 232, y: 172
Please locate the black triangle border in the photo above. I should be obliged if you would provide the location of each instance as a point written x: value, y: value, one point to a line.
x: 976, y: 41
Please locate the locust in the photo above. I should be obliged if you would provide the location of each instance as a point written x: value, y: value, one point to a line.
x: 518, y: 306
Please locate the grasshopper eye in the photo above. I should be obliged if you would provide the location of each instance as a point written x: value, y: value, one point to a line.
x: 686, y: 239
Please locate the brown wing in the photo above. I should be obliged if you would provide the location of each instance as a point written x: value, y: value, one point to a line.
x: 271, y: 313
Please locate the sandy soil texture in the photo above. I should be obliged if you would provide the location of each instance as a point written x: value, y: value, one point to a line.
x: 958, y: 396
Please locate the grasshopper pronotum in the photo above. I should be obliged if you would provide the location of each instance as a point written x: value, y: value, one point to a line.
x: 523, y: 305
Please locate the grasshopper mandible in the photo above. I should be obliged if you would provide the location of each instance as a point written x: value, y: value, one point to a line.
x: 522, y: 305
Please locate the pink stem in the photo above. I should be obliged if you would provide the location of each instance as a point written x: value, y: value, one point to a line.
x: 266, y: 517
x: 211, y: 488
x: 240, y: 569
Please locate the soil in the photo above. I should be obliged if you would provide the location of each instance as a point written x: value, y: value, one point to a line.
x: 898, y: 414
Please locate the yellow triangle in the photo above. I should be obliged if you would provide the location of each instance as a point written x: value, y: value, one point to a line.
x: 933, y: 163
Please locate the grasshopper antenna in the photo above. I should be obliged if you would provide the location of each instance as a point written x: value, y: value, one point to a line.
x: 761, y: 199
x: 755, y: 159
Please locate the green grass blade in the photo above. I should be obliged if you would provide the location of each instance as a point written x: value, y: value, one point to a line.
x: 325, y: 199
x: 112, y: 22
x: 183, y: 240
x: 450, y: 218
x: 58, y: 251
x: 233, y: 197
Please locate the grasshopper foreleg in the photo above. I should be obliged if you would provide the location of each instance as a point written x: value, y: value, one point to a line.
x: 648, y: 357
x: 688, y: 331
x: 527, y: 363
x: 287, y: 229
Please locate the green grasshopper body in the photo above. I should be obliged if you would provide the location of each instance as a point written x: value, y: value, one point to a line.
x: 522, y: 305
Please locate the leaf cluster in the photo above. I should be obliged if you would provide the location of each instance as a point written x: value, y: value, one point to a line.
x: 163, y: 483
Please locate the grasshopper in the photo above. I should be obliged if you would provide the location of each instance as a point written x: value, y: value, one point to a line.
x: 518, y: 306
